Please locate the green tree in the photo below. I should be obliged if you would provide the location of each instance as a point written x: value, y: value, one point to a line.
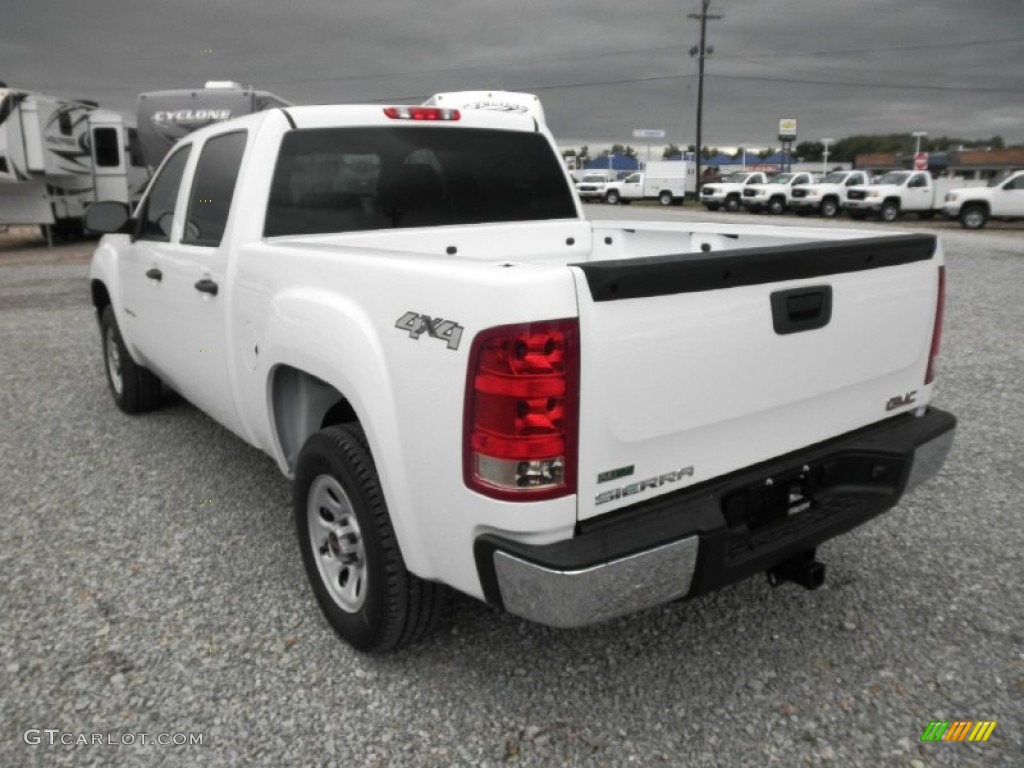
x: 672, y: 150
x: 811, y: 151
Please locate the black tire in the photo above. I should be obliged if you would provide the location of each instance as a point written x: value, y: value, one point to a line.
x: 829, y: 207
x: 890, y: 211
x: 973, y: 217
x: 376, y: 605
x: 711, y: 206
x: 612, y: 198
x: 732, y: 204
x: 135, y: 389
x: 776, y: 206
x: 665, y: 198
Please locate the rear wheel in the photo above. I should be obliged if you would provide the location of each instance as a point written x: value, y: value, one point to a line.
x: 665, y: 198
x: 349, y: 548
x: 134, y: 388
x: 890, y: 211
x: 973, y: 217
x: 829, y: 207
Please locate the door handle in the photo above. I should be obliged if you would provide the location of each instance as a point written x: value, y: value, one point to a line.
x: 206, y: 285
x: 154, y: 274
x: 801, y: 309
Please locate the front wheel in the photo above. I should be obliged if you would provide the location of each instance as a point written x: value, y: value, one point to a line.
x: 711, y: 206
x: 134, y: 388
x: 349, y: 548
x: 612, y: 198
x: 732, y: 204
x: 829, y: 208
x: 665, y: 198
x: 973, y: 217
x: 890, y: 211
x: 776, y: 206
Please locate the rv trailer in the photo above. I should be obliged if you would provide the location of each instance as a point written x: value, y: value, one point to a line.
x: 58, y: 155
x: 165, y: 116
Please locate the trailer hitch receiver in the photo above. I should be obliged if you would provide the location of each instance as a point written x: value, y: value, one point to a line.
x: 800, y: 569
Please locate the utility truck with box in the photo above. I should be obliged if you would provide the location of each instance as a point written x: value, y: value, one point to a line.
x: 473, y: 386
x: 668, y: 182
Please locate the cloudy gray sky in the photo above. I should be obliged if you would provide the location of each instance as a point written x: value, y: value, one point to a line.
x: 602, y: 68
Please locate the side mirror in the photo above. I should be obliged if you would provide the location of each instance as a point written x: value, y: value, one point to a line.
x: 107, y: 217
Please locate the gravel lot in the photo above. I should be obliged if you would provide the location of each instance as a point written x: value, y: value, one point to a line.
x: 150, y: 583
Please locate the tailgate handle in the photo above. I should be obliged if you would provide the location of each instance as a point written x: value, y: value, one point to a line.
x: 801, y: 309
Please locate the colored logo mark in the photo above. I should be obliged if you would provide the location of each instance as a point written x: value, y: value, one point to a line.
x: 958, y: 730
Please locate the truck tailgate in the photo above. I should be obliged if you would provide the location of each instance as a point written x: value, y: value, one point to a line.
x: 696, y: 365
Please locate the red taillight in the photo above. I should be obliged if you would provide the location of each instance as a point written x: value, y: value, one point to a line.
x: 940, y: 308
x: 522, y: 404
x: 422, y: 113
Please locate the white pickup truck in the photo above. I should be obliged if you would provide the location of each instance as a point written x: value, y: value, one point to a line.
x: 593, y: 185
x: 774, y: 195
x: 728, y: 192
x: 974, y: 206
x: 827, y: 196
x: 474, y: 386
x: 899, y: 192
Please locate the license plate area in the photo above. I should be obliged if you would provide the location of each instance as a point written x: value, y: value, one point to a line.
x: 802, y: 491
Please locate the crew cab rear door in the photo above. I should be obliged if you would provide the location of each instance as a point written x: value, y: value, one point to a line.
x: 698, y: 364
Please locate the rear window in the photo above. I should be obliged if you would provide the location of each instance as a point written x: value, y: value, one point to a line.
x: 351, y: 179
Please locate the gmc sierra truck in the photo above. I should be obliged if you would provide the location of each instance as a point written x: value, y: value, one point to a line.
x: 974, y: 206
x: 728, y: 192
x: 827, y: 196
x: 473, y: 386
x: 774, y: 195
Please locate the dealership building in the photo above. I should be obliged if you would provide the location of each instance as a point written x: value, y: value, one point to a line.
x: 964, y: 163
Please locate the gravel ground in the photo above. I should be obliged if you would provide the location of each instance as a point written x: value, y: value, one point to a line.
x: 150, y: 583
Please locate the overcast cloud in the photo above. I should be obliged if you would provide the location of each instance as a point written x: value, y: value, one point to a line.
x: 841, y: 67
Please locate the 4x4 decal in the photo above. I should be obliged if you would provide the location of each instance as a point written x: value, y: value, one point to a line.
x: 417, y: 324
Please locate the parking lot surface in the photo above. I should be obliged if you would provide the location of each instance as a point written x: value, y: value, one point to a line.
x: 150, y: 583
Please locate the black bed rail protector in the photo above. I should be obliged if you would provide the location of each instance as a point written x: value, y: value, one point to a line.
x: 694, y: 272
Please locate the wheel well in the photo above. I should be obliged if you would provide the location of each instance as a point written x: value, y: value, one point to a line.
x: 891, y: 200
x: 976, y: 204
x: 100, y: 297
x: 303, y: 404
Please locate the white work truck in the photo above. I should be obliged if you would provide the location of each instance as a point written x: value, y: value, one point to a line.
x: 668, y: 182
x: 728, y: 192
x: 974, y: 206
x: 774, y: 195
x: 899, y: 192
x: 473, y: 386
x: 827, y: 196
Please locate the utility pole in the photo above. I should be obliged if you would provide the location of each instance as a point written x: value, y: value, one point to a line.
x: 701, y: 52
